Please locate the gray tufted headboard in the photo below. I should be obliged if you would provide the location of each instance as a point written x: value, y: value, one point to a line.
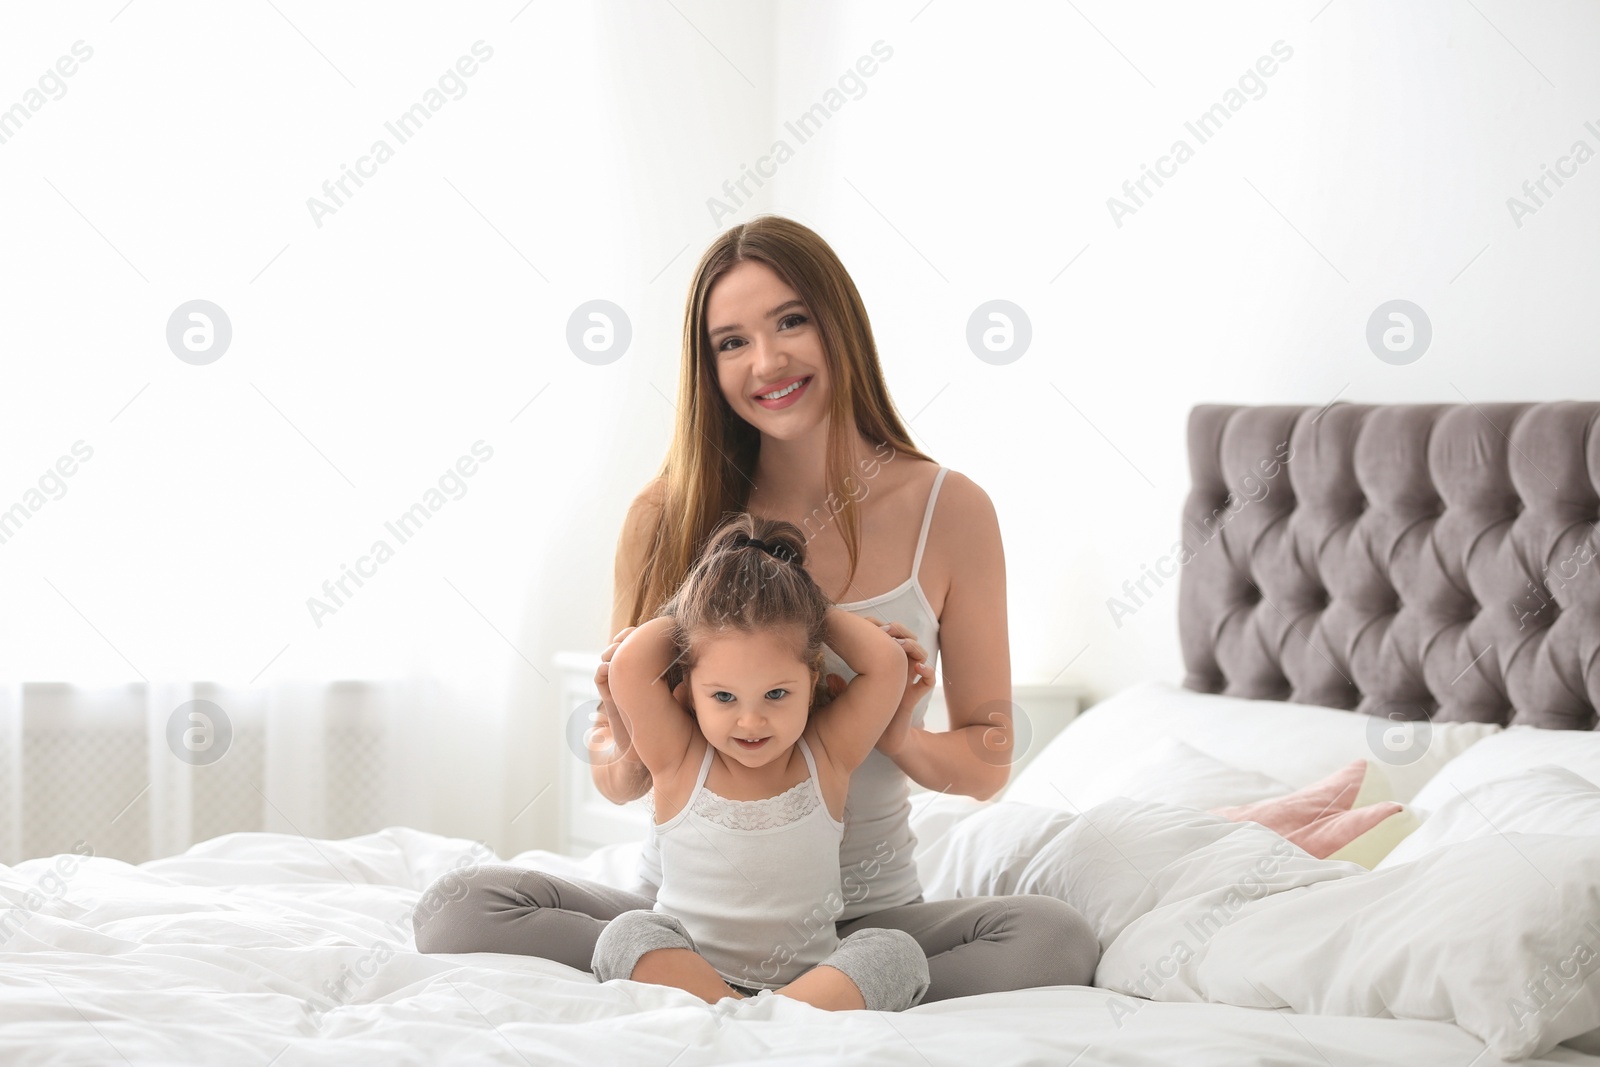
x: 1427, y: 561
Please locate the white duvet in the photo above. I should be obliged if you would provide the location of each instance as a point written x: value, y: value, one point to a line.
x: 273, y: 949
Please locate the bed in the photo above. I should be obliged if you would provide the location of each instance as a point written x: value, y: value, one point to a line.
x: 1406, y: 585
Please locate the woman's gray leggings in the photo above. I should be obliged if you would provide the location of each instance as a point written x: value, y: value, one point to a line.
x: 973, y: 944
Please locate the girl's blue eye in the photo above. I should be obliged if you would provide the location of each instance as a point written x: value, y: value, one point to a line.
x: 781, y: 693
x: 720, y: 693
x: 723, y: 347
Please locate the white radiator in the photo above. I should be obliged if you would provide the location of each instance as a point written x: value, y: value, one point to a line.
x: 94, y: 769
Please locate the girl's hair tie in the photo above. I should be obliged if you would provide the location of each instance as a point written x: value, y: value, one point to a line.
x: 776, y: 550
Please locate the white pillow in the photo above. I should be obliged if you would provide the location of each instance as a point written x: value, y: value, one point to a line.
x: 1517, y: 749
x: 985, y: 853
x: 1178, y: 773
x: 1297, y: 744
x: 1117, y: 861
x: 1544, y: 800
x: 1497, y: 935
x: 933, y: 815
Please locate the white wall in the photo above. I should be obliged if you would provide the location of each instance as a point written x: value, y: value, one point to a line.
x: 1390, y: 140
x: 976, y: 165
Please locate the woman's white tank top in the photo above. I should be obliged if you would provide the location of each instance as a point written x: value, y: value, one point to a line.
x: 877, y: 869
x: 755, y: 882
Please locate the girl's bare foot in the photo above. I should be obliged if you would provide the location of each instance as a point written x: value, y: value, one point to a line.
x: 686, y: 970
x: 827, y: 988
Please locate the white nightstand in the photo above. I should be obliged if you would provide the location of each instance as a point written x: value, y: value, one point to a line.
x: 589, y: 820
x: 1047, y: 710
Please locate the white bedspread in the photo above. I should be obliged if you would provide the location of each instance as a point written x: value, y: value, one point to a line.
x: 272, y: 949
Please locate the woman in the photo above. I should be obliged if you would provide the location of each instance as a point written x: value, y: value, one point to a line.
x: 783, y: 412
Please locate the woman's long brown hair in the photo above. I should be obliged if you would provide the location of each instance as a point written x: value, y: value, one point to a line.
x: 708, y: 468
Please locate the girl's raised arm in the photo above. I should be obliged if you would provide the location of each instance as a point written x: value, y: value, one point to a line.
x: 850, y: 725
x: 660, y: 727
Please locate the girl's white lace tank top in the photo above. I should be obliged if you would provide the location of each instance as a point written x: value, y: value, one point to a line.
x: 755, y: 882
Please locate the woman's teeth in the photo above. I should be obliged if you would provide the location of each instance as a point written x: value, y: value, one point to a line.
x: 785, y: 391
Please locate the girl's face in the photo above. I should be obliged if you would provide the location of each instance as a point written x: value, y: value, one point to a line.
x: 751, y: 693
x: 764, y: 339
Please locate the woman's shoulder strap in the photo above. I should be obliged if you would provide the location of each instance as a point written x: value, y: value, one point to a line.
x: 927, y: 520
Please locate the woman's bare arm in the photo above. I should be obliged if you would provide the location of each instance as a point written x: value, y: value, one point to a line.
x: 973, y: 757
x: 617, y: 771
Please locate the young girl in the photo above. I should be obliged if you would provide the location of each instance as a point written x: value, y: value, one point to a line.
x: 750, y: 783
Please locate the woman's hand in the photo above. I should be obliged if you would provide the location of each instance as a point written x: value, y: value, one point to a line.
x: 919, y: 680
x: 618, y: 772
x: 609, y: 739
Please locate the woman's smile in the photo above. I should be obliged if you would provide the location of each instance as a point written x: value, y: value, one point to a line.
x: 783, y: 395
